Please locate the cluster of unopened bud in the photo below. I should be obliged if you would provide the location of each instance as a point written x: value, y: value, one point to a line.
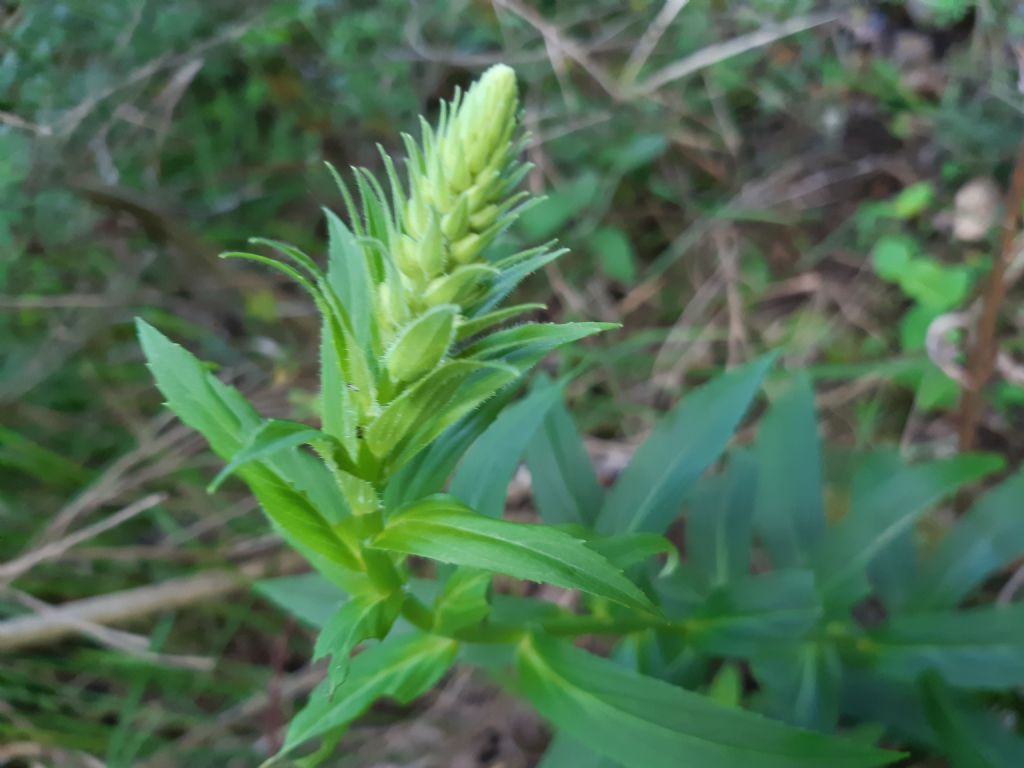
x: 461, y: 191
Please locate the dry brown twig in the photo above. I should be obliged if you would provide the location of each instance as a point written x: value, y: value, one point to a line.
x: 55, y: 622
x: 13, y: 569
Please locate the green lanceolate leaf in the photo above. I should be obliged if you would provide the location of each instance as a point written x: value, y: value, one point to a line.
x: 359, y: 619
x: 463, y: 602
x: 650, y: 492
x: 195, y: 395
x: 645, y: 723
x: 270, y: 438
x: 752, y: 614
x: 298, y: 520
x: 476, y: 389
x: 974, y: 648
x: 987, y: 538
x: 427, y: 473
x: 790, y: 515
x: 444, y: 529
x: 530, y: 341
x: 467, y: 329
x: 631, y: 549
x: 422, y: 402
x: 719, y: 523
x: 565, y: 487
x: 800, y: 684
x: 287, y: 487
x: 348, y: 275
x: 565, y: 752
x: 880, y: 514
x: 400, y: 668
x: 422, y: 344
x: 482, y: 479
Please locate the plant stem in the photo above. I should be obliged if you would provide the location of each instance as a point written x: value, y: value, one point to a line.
x: 982, y: 357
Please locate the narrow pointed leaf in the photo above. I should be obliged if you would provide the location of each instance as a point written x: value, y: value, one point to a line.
x: 719, y: 523
x: 482, y: 479
x: 444, y: 529
x: 881, y: 513
x: 357, y: 620
x: 987, y: 538
x: 975, y: 648
x: 565, y: 487
x: 272, y: 437
x: 790, y: 514
x: 645, y: 723
x: 401, y: 668
x: 650, y: 492
x: 532, y: 340
x: 752, y: 614
x: 463, y: 602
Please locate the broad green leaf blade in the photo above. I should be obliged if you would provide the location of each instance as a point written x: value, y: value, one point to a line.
x: 481, y: 481
x: 444, y: 529
x: 270, y: 438
x: 880, y: 514
x: 362, y: 618
x: 424, y: 400
x: 650, y: 492
x: 401, y: 668
x: 566, y: 752
x: 463, y: 602
x: 987, y: 538
x: 646, y: 723
x: 309, y: 597
x: 974, y: 648
x: 801, y: 685
x: 790, y: 516
x: 565, y: 487
x: 719, y: 523
x: 298, y: 520
x: 748, y: 616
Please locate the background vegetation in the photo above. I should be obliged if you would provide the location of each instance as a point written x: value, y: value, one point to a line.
x: 819, y: 178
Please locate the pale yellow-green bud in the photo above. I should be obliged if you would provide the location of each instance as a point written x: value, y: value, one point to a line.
x: 422, y: 344
x: 466, y: 249
x: 455, y: 223
x: 432, y: 248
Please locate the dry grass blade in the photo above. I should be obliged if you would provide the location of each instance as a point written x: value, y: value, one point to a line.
x: 715, y: 54
x: 15, y: 568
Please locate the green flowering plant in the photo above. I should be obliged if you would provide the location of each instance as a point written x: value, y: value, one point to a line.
x: 419, y: 366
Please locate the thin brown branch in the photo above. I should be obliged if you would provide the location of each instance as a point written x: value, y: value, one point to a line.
x: 133, y: 604
x: 982, y: 358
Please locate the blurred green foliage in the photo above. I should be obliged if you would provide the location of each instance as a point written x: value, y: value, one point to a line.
x: 791, y: 192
